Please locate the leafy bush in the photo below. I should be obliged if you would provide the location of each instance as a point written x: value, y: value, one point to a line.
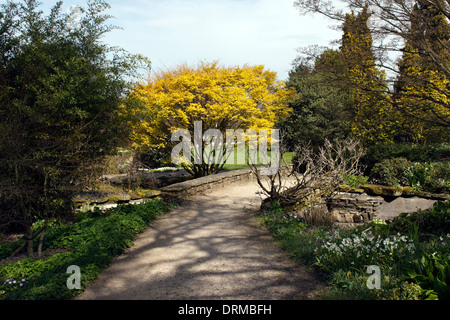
x: 411, y: 152
x: 431, y: 177
x: 432, y: 272
x: 391, y: 172
x: 355, y: 181
x: 154, y: 158
x: 91, y: 244
x: 433, y: 221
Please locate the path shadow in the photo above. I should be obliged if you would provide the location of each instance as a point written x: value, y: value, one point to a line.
x: 208, y: 248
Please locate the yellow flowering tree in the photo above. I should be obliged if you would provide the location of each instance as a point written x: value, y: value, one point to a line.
x: 220, y: 98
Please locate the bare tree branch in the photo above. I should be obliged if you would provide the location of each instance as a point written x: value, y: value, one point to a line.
x: 315, y: 174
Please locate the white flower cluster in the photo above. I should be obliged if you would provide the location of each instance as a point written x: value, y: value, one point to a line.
x: 12, y: 283
x: 365, y: 247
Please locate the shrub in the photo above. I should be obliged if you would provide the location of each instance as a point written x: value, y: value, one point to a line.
x: 355, y: 181
x: 411, y: 152
x: 391, y: 172
x: 432, y: 177
x: 154, y: 158
x: 433, y: 221
x: 432, y: 272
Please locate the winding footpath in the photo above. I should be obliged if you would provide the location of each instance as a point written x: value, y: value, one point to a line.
x: 211, y: 247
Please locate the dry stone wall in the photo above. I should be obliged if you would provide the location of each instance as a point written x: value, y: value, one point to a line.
x: 209, y: 183
x: 354, y: 207
x: 349, y: 206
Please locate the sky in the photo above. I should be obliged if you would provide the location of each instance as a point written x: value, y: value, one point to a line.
x: 233, y: 32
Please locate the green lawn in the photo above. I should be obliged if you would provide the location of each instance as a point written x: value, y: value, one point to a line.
x: 287, y: 157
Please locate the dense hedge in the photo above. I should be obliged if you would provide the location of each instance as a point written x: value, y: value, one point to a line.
x: 91, y: 244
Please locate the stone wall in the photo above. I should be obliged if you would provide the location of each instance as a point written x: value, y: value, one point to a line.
x: 184, y: 189
x: 209, y: 183
x: 213, y: 182
x: 360, y: 205
x: 90, y: 201
x: 350, y: 206
x: 354, y: 207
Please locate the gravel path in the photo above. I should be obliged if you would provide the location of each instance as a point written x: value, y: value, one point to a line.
x: 211, y: 247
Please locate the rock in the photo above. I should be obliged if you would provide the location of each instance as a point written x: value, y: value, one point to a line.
x: 408, y: 191
x: 389, y: 210
x: 379, y: 190
x: 146, y: 194
x: 356, y: 190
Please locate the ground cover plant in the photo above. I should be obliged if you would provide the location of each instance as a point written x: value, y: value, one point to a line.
x: 411, y: 152
x: 412, y: 252
x: 421, y: 176
x: 90, y: 242
x: 424, y: 168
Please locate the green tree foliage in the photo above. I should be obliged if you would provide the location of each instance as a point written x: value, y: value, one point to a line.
x: 60, y: 88
x: 374, y: 118
x: 419, y: 86
x: 345, y: 94
x: 318, y: 106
